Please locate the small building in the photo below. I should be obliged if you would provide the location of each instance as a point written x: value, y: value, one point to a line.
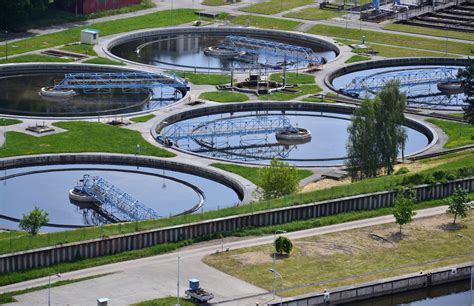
x: 89, y: 36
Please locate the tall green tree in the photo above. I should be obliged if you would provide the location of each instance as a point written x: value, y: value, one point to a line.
x: 283, y: 245
x: 457, y: 204
x: 278, y: 179
x: 34, y: 220
x: 404, y: 207
x: 466, y: 76
x: 376, y: 133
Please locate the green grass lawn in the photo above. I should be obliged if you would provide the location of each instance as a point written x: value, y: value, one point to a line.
x: 460, y: 134
x: 293, y: 78
x: 204, y: 78
x: 285, y: 96
x: 314, y: 13
x: 103, y: 61
x: 224, y: 96
x: 7, y: 121
x: 216, y: 2
x: 275, y: 6
x: 30, y: 58
x: 266, y: 22
x: 314, y: 99
x: 81, y: 137
x: 80, y: 48
x: 251, y: 173
x: 9, y: 297
x: 350, y: 257
x: 357, y: 58
x: 428, y: 31
x: 165, y: 302
x: 153, y: 20
x: 142, y: 118
x: 392, y: 39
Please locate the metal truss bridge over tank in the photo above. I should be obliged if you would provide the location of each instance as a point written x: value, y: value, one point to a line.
x: 115, y: 203
x: 263, y: 47
x: 213, y: 137
x: 130, y: 81
x: 407, y: 78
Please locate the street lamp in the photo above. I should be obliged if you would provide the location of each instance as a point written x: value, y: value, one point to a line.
x: 472, y: 257
x: 274, y: 261
x: 281, y: 283
x: 6, y: 46
x: 178, y: 304
x: 49, y: 286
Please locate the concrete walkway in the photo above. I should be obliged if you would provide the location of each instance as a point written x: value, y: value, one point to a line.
x: 153, y: 277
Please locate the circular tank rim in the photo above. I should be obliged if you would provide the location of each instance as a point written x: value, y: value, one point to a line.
x: 36, y: 68
x: 239, y: 185
x: 130, y: 36
x: 415, y: 124
x: 412, y: 61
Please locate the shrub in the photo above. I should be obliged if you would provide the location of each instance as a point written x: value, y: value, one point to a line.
x: 402, y: 170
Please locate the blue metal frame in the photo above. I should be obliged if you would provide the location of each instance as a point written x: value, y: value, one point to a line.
x: 122, y: 80
x: 115, y: 202
x: 270, y: 48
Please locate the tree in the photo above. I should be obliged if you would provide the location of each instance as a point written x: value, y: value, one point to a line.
x: 283, y: 245
x: 34, y: 220
x: 403, y: 207
x: 466, y: 76
x: 278, y: 179
x: 376, y: 133
x: 457, y: 204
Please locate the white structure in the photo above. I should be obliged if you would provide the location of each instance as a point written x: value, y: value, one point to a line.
x: 89, y: 36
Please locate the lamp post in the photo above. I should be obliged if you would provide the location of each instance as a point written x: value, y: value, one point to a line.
x: 274, y: 261
x: 472, y: 257
x: 178, y: 303
x: 49, y: 286
x: 281, y: 283
x: 6, y: 46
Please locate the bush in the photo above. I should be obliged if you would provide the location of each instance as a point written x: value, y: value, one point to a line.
x: 34, y: 220
x: 278, y: 179
x: 283, y: 245
x: 402, y: 170
x: 440, y: 175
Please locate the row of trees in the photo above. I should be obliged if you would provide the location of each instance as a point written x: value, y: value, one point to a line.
x: 466, y: 76
x: 376, y: 134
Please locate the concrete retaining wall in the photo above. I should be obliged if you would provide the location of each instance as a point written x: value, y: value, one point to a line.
x: 121, y: 243
x: 383, y: 287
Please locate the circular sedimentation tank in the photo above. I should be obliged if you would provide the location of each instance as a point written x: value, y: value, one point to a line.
x: 198, y: 49
x: 428, y: 83
x: 168, y: 192
x: 314, y: 146
x: 27, y: 90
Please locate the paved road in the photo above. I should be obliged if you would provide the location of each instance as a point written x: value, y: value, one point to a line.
x: 152, y: 277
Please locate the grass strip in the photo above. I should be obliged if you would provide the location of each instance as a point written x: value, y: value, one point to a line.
x: 31, y: 58
x: 81, y: 137
x: 293, y: 78
x: 153, y: 20
x: 285, y: 96
x: 357, y: 58
x: 80, y: 48
x: 204, y: 78
x: 275, y: 6
x: 251, y: 173
x: 459, y: 134
x: 224, y: 96
x: 424, y: 44
x: 444, y: 163
x: 216, y: 2
x: 7, y: 121
x: 428, y: 31
x: 9, y: 297
x: 171, y: 300
x: 142, y: 118
x: 314, y: 13
x: 266, y: 22
x: 103, y: 61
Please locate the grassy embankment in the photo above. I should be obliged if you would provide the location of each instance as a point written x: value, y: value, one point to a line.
x: 460, y: 134
x: 428, y: 31
x: 266, y: 22
x: 314, y: 13
x: 420, y: 46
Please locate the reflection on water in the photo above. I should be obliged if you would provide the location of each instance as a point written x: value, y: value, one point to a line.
x: 187, y: 51
x: 158, y: 189
x: 19, y: 95
x: 327, y: 145
x: 452, y: 294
